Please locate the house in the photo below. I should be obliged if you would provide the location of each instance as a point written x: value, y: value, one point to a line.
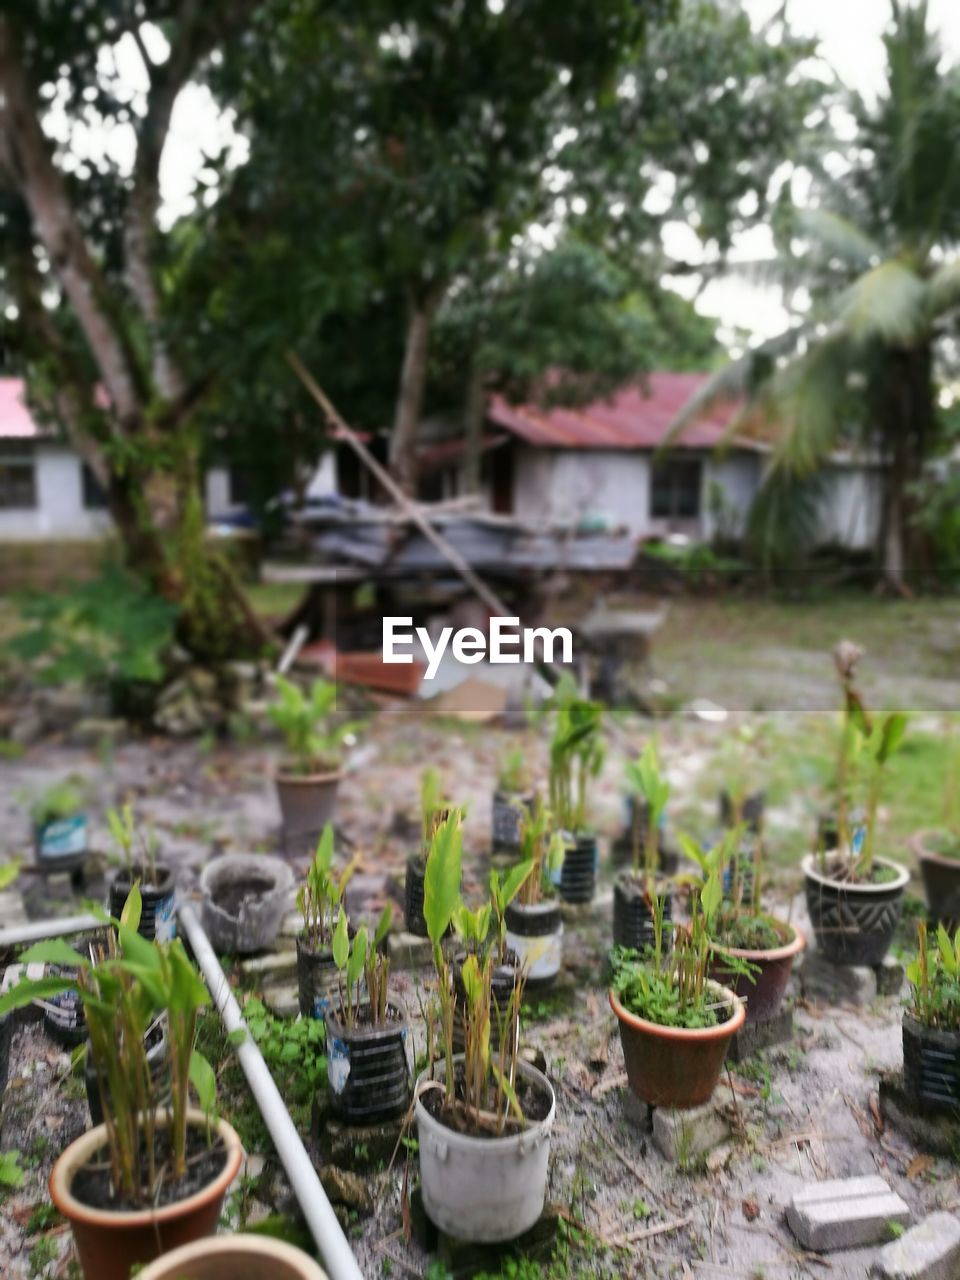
x: 599, y: 463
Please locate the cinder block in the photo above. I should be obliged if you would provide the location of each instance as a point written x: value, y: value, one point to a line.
x: 754, y: 1036
x: 409, y: 951
x: 274, y: 965
x: 889, y: 976
x: 845, y: 1213
x: 821, y: 979
x: 282, y: 999
x: 928, y: 1251
x: 682, y: 1136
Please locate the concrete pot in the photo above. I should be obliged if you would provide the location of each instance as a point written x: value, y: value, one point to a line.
x: 484, y: 1190
x: 535, y: 935
x: 941, y: 879
x: 158, y: 917
x: 307, y: 803
x: 245, y: 897
x: 931, y: 1066
x: 234, y: 1258
x: 671, y: 1066
x: 763, y: 992
x: 853, y: 923
x: 632, y: 917
x: 109, y: 1243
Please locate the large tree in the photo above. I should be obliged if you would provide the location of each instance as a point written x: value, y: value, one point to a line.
x: 87, y: 268
x: 876, y: 250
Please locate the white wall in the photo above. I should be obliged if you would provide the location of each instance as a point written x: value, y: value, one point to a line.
x: 567, y: 485
x: 59, y: 512
x: 738, y: 476
x: 851, y: 506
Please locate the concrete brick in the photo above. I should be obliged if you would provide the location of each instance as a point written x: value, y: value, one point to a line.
x: 754, y: 1036
x: 283, y: 999
x: 275, y: 965
x: 928, y: 1251
x: 845, y: 1213
x: 822, y: 980
x: 409, y: 951
x: 682, y: 1136
x: 889, y: 977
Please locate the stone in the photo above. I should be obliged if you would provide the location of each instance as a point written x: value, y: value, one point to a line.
x: 683, y: 1136
x: 283, y: 999
x: 636, y: 1111
x: 928, y: 1251
x: 363, y: 1148
x: 409, y: 951
x: 93, y: 730
x: 935, y: 1133
x: 822, y: 980
x: 344, y: 1187
x: 845, y: 1213
x: 755, y: 1036
x: 889, y: 977
x: 27, y: 729
x: 274, y: 965
x: 12, y: 910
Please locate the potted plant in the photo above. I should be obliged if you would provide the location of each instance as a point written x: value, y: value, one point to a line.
x: 483, y: 1117
x: 434, y: 808
x: 534, y: 925
x: 366, y: 1033
x: 60, y: 831
x: 635, y: 891
x: 752, y: 953
x: 675, y: 1022
x: 155, y: 880
x: 576, y: 757
x: 319, y: 901
x: 931, y: 1023
x: 311, y: 771
x: 227, y: 1257
x: 853, y: 896
x: 149, y: 1178
x: 243, y: 899
x: 512, y: 798
x: 938, y: 848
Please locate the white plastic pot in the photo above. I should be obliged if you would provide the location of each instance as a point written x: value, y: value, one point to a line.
x: 535, y: 935
x: 484, y: 1190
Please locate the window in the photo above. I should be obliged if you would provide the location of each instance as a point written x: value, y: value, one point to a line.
x: 18, y: 476
x: 675, y: 490
x: 94, y: 499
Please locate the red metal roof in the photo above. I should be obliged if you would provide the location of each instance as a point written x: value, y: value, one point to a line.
x: 16, y: 422
x: 635, y: 417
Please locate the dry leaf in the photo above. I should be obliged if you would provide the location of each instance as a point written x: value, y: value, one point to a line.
x: 751, y: 1210
x: 918, y: 1166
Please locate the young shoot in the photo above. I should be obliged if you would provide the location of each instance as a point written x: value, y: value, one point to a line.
x: 321, y: 897
x: 934, y: 978
x: 138, y: 849
x: 544, y: 848
x: 503, y: 890
x: 513, y: 776
x: 576, y: 757
x: 314, y: 744
x: 647, y: 782
x: 362, y: 963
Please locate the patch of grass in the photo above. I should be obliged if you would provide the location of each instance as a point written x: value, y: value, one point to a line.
x: 275, y: 599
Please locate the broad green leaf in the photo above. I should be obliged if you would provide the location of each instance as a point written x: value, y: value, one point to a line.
x: 29, y: 989
x: 341, y: 941
x: 383, y: 926
x: 358, y: 957
x: 54, y: 951
x: 204, y: 1082
x: 324, y: 855
x: 441, y: 887
x: 132, y: 909
x: 516, y: 878
x: 894, y: 728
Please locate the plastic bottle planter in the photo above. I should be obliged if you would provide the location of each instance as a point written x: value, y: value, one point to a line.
x: 316, y: 980
x: 158, y: 919
x: 761, y: 991
x: 632, y: 918
x: 157, y: 1058
x: 509, y: 809
x: 671, y: 1066
x: 578, y: 875
x: 367, y: 1067
x: 245, y: 897
x: 535, y: 935
x: 61, y: 845
x: 485, y: 1189
x: 853, y: 923
x: 502, y: 982
x: 751, y: 813
x: 63, y: 1015
x: 307, y: 803
x: 931, y: 1066
x: 941, y: 879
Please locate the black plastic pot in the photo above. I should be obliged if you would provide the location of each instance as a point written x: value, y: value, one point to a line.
x: 621, y: 849
x: 158, y: 919
x: 367, y: 1068
x: 63, y: 1015
x: 413, y: 895
x: 578, y: 877
x: 156, y: 1056
x: 752, y: 811
x: 931, y: 1066
x: 853, y: 923
x: 508, y: 812
x: 316, y: 980
x: 535, y: 934
x: 632, y: 917
x: 502, y: 981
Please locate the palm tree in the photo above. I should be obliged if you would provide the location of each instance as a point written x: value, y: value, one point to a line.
x: 878, y: 257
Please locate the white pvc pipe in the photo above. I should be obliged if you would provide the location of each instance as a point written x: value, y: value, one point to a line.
x: 37, y: 930
x: 332, y: 1244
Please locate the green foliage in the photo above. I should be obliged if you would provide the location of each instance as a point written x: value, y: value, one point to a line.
x: 362, y: 963
x: 513, y: 773
x: 576, y: 755
x: 319, y: 899
x: 11, y: 1174
x: 544, y: 848
x: 110, y: 628
x: 293, y: 1050
x: 313, y: 743
x: 137, y: 847
x: 62, y: 799
x: 934, y: 978
x: 434, y: 806
x: 645, y: 779
x: 441, y: 885
x: 697, y: 561
x: 503, y: 890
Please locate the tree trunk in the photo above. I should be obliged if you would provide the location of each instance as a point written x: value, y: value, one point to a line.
x: 909, y: 420
x: 413, y: 382
x: 473, y: 419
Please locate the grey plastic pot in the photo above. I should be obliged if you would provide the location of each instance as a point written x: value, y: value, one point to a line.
x: 484, y: 1190
x: 245, y: 897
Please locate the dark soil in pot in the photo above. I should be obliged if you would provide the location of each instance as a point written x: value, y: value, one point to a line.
x: 854, y: 922
x: 205, y: 1160
x: 751, y: 813
x: 316, y: 979
x: 158, y: 914
x: 534, y: 1103
x: 502, y: 982
x: 770, y: 955
x: 578, y: 876
x: 509, y: 809
x: 938, y: 853
x: 367, y: 1067
x: 632, y: 916
x: 931, y: 1066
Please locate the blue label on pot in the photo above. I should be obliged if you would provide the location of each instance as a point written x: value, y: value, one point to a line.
x: 338, y: 1064
x: 64, y: 838
x: 165, y: 919
x: 856, y: 842
x: 66, y: 1010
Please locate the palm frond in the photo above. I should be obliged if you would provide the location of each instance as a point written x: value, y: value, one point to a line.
x: 784, y: 519
x: 888, y: 303
x: 807, y: 400
x: 943, y: 289
x: 838, y: 236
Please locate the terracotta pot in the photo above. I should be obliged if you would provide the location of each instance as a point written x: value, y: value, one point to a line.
x: 941, y: 879
x: 234, y: 1258
x: 307, y: 804
x: 854, y: 923
x: 110, y: 1242
x: 671, y: 1066
x: 761, y: 992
